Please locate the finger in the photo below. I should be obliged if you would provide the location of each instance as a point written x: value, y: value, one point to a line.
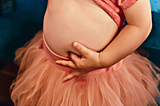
x: 82, y: 49
x: 71, y: 76
x: 78, y: 62
x: 81, y: 77
x: 75, y: 58
x: 66, y: 63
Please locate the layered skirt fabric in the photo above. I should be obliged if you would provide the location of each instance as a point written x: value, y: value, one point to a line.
x: 131, y: 82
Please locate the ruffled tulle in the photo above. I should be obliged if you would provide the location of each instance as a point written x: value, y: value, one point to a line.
x: 39, y: 82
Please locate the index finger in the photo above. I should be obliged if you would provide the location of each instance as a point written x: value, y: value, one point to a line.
x: 82, y: 49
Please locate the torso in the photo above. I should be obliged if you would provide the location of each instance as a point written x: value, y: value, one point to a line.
x: 84, y: 21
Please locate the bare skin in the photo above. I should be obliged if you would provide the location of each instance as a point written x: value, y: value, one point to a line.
x: 66, y: 22
x: 77, y: 20
x: 127, y: 41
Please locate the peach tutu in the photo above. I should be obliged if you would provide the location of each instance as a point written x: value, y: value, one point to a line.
x: 130, y: 82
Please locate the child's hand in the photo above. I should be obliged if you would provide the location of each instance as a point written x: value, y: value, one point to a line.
x: 88, y: 62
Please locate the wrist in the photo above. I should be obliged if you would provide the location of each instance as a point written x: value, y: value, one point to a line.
x: 104, y: 60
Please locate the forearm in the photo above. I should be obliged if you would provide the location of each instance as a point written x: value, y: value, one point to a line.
x: 126, y: 42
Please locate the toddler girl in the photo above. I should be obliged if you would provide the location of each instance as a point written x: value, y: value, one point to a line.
x: 82, y: 58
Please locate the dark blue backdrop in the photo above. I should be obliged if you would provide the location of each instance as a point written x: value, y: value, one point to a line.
x: 21, y: 19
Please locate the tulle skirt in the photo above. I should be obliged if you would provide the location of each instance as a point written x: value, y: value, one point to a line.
x: 131, y: 82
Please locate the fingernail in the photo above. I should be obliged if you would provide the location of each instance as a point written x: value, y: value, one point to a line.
x: 65, y: 81
x: 75, y: 44
x: 57, y: 62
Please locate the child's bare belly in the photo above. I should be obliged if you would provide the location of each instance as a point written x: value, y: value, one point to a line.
x: 84, y: 21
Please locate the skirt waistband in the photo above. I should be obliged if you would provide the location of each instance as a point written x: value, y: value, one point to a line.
x: 51, y: 52
x: 53, y: 57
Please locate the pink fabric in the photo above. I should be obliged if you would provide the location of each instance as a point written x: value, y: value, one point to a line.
x: 129, y: 82
x: 53, y: 57
x: 114, y: 8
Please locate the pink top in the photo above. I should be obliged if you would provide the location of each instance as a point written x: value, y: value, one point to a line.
x: 114, y: 8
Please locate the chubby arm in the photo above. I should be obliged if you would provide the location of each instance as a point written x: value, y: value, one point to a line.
x: 127, y: 41
x: 131, y: 36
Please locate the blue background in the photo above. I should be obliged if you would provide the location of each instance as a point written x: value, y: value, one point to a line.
x: 20, y: 21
